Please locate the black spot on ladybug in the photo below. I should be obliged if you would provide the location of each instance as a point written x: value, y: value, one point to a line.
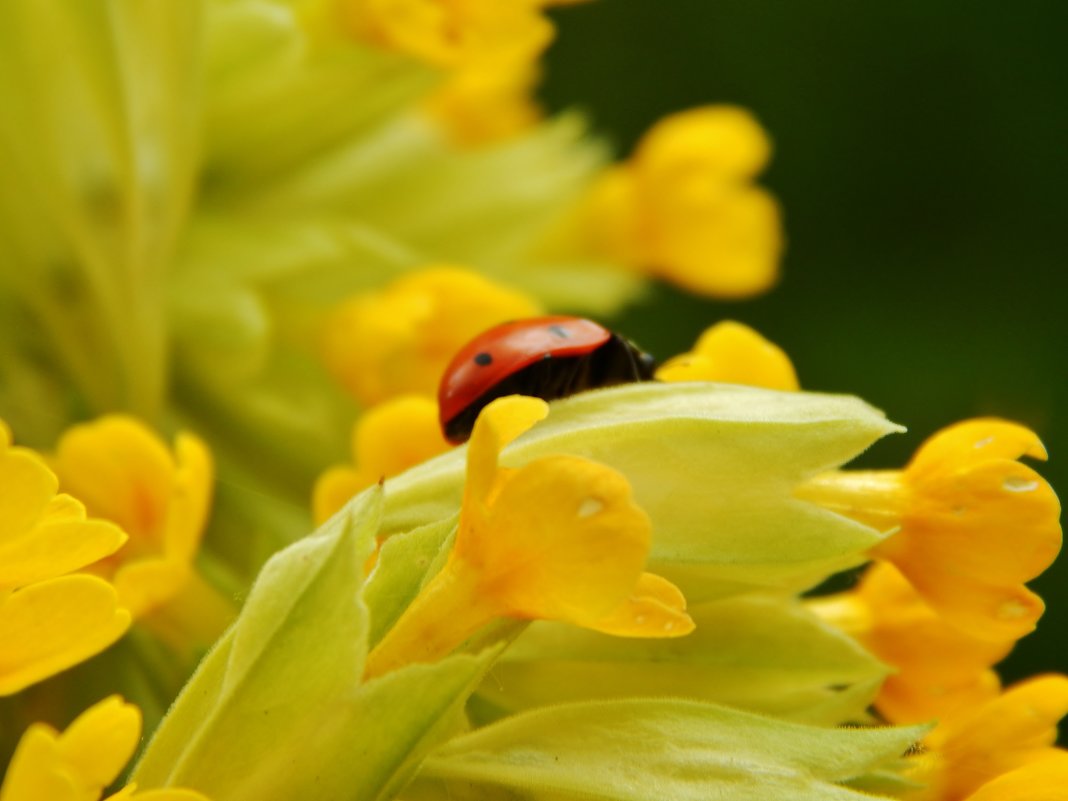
x: 483, y: 359
x: 560, y: 331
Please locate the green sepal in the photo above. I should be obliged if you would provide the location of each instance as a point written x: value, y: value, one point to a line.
x: 279, y: 710
x: 676, y: 750
x: 713, y: 465
x: 764, y: 654
x: 405, y: 563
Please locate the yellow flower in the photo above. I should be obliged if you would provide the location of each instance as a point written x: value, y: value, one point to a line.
x: 126, y: 474
x: 972, y: 523
x: 486, y: 103
x: 399, y: 340
x: 733, y: 353
x: 974, y: 747
x: 1044, y: 779
x: 685, y: 209
x: 77, y: 764
x: 386, y: 440
x: 451, y: 33
x: 939, y: 667
x: 49, y: 621
x: 558, y: 539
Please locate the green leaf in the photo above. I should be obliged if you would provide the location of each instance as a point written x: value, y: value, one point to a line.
x: 714, y: 466
x: 764, y: 654
x: 279, y: 710
x: 668, y: 749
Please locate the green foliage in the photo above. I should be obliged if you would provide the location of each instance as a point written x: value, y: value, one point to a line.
x: 669, y: 749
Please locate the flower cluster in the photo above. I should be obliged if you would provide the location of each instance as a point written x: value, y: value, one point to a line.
x: 273, y: 223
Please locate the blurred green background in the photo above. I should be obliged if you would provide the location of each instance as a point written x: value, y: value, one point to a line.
x: 922, y: 164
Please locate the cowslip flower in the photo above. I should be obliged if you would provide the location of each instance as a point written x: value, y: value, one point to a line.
x: 487, y: 51
x: 559, y: 539
x: 684, y: 208
x: 735, y: 354
x: 78, y: 763
x: 1041, y: 779
x: 977, y: 745
x: 938, y: 668
x: 326, y: 646
x: 386, y: 440
x: 50, y: 618
x: 451, y: 34
x: 969, y: 524
x: 126, y: 474
x: 398, y: 340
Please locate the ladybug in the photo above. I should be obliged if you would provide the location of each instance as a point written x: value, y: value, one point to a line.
x: 544, y: 357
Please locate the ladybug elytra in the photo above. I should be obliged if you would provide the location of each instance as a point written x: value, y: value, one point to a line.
x: 544, y: 357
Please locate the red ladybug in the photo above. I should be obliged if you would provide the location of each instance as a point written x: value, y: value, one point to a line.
x: 545, y: 357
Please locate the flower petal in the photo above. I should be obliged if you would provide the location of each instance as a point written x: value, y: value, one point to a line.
x: 120, y: 470
x: 77, y: 764
x: 564, y: 540
x: 978, y: 440
x: 28, y: 486
x: 735, y: 354
x: 100, y: 741
x: 56, y: 548
x: 387, y: 439
x: 656, y: 609
x: 1044, y: 779
x: 497, y: 425
x: 54, y: 624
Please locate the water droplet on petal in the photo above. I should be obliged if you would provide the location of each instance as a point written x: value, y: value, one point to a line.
x: 1011, y: 610
x: 1019, y: 484
x: 590, y: 507
x: 983, y: 442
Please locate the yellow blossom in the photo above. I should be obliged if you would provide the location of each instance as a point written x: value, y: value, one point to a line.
x: 451, y: 33
x: 939, y: 667
x: 1043, y: 779
x: 972, y: 748
x: 559, y: 539
x: 126, y: 474
x: 733, y: 353
x: 486, y: 103
x: 49, y: 621
x: 77, y: 764
x: 684, y: 207
x: 386, y: 440
x: 972, y: 523
x: 399, y: 339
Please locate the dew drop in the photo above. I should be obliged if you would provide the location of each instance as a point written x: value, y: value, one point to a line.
x: 639, y: 619
x: 1019, y: 484
x: 983, y: 442
x: 1012, y: 610
x: 669, y: 625
x: 590, y: 507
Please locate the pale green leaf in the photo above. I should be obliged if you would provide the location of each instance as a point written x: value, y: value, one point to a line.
x: 764, y: 654
x: 714, y: 466
x: 668, y: 749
